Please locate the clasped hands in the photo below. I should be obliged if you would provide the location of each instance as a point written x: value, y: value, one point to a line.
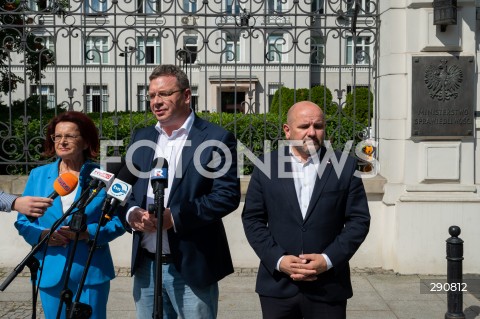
x: 305, y: 267
x: 140, y: 220
x: 63, y: 235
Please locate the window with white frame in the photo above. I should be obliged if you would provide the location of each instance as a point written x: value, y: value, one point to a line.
x: 46, y: 42
x: 37, y: 5
x: 232, y: 7
x: 272, y: 88
x: 190, y: 48
x: 194, y: 98
x: 142, y: 103
x: 148, y: 6
x: 366, y: 6
x: 317, y: 47
x: 148, y: 51
x: 96, y: 50
x: 96, y: 98
x: 231, y: 53
x: 190, y: 6
x: 317, y: 6
x: 274, y: 6
x: 95, y: 6
x: 358, y: 52
x: 275, y: 47
x: 47, y: 92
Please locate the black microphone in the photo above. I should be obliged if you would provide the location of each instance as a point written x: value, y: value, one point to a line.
x: 119, y: 192
x: 159, y: 181
x: 159, y: 174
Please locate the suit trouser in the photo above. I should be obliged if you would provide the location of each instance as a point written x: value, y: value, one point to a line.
x: 299, y: 306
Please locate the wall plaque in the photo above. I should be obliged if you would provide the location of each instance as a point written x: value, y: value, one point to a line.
x: 443, y: 96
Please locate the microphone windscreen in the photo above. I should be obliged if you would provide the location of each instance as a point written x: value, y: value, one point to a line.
x: 65, y: 184
x: 115, y: 167
x: 159, y: 162
x: 126, y: 175
x: 159, y: 171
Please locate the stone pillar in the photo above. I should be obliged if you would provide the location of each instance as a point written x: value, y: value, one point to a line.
x: 432, y: 181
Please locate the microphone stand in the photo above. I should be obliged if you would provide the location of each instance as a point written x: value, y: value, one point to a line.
x: 30, y: 260
x: 78, y: 224
x: 159, y: 199
x: 80, y: 310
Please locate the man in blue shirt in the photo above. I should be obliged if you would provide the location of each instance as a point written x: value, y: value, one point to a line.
x: 28, y: 205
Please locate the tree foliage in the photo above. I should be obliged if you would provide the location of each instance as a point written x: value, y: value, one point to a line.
x: 16, y: 38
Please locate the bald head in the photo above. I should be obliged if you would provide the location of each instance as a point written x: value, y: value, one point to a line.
x: 304, y: 107
x: 305, y: 123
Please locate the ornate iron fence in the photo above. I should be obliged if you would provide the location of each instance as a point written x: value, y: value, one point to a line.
x: 247, y: 60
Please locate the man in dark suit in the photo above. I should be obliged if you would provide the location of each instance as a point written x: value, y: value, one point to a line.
x: 202, y: 188
x: 305, y: 221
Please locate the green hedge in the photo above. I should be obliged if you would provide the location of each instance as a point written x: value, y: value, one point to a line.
x: 251, y: 130
x: 285, y: 97
x: 363, y: 105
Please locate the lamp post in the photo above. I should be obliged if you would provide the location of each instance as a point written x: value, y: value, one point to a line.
x: 128, y: 49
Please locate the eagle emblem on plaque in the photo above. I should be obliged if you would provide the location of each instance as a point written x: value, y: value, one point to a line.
x: 443, y: 81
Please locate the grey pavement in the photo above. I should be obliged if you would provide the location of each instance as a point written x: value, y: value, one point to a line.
x: 378, y: 294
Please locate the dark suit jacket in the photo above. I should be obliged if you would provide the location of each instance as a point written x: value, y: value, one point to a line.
x: 336, y: 223
x: 198, y: 203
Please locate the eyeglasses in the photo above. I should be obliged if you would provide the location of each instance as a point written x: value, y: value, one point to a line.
x: 58, y: 137
x: 161, y: 95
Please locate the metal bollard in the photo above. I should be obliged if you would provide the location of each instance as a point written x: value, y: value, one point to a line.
x: 454, y: 274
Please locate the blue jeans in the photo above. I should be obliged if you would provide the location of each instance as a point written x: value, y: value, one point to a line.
x: 179, y: 299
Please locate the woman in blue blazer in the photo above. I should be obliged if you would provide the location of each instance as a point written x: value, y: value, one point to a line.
x: 71, y: 137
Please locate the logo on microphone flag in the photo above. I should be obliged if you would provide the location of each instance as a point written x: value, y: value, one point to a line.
x: 64, y: 184
x: 160, y: 173
x: 120, y: 188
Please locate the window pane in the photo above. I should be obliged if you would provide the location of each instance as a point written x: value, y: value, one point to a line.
x: 190, y: 5
x: 95, y: 6
x: 96, y: 49
x: 275, y: 47
x: 96, y: 98
x: 317, y: 5
x: 142, y: 103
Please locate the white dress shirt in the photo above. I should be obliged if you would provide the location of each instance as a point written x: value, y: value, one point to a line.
x: 170, y: 148
x: 304, y: 176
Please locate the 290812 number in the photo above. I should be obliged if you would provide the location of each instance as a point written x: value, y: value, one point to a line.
x: 446, y: 287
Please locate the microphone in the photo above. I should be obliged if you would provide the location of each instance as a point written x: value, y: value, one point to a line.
x: 159, y: 181
x: 63, y: 185
x: 119, y: 192
x: 159, y: 174
x: 101, y: 179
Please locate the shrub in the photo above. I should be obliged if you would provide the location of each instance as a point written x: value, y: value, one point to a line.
x: 285, y: 97
x: 363, y: 105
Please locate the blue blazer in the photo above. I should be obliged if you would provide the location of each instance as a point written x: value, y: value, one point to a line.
x: 40, y: 183
x: 198, y: 203
x: 336, y: 223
